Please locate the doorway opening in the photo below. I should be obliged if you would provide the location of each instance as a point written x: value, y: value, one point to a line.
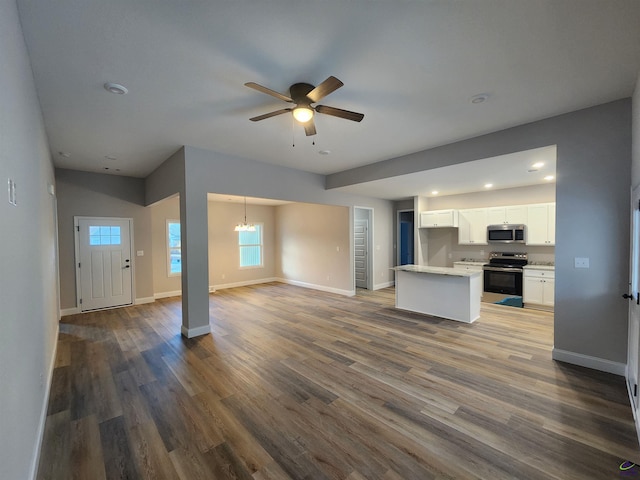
x: 405, y: 237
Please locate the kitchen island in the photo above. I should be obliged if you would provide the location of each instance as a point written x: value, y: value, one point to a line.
x: 450, y: 293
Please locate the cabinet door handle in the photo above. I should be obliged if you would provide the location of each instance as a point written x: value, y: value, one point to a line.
x: 627, y: 296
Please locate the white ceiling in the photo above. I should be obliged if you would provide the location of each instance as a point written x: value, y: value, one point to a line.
x: 410, y: 66
x: 505, y: 171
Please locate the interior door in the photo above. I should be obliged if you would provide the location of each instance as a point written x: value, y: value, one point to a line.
x: 634, y: 301
x: 103, y: 263
x: 361, y: 251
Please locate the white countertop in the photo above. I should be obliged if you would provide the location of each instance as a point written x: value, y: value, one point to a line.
x: 468, y: 262
x: 540, y: 267
x: 456, y: 272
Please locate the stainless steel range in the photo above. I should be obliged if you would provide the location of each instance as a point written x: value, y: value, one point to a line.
x: 503, y: 278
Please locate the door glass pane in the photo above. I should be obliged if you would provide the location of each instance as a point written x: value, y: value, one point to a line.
x: 104, y: 235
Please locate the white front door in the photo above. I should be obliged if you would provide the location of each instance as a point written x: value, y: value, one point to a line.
x: 634, y: 302
x: 103, y: 262
x: 361, y: 247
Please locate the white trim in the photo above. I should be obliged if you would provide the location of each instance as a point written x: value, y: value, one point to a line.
x: 195, y: 332
x: 175, y: 293
x: 323, y: 288
x: 143, y: 300
x: 69, y: 311
x: 595, y: 363
x: 636, y: 419
x: 45, y: 408
x: 222, y: 286
x: 379, y: 286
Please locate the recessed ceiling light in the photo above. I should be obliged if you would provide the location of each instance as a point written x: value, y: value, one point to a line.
x: 115, y: 88
x: 435, y: 192
x: 324, y: 152
x: 488, y: 185
x: 64, y: 154
x: 549, y: 177
x: 480, y: 98
x: 538, y: 165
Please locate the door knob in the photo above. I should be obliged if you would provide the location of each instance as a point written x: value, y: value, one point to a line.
x: 627, y: 296
x: 127, y: 266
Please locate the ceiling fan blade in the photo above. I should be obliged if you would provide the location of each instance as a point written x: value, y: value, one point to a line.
x: 331, y: 84
x: 310, y: 128
x: 270, y: 114
x: 268, y: 91
x: 338, y: 112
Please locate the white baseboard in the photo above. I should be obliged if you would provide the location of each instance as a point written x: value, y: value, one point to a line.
x: 45, y: 407
x: 143, y: 300
x: 595, y: 363
x: 384, y: 285
x: 322, y: 288
x: 69, y: 311
x: 222, y: 286
x: 195, y: 332
x: 175, y: 293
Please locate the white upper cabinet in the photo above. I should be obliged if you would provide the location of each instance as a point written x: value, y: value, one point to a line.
x: 439, y: 218
x: 507, y: 215
x: 541, y: 226
x: 472, y: 226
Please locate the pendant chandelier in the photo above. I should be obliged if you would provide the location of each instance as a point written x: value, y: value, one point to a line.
x: 244, y: 226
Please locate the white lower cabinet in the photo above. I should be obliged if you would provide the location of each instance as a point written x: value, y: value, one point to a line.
x: 472, y: 268
x: 538, y: 288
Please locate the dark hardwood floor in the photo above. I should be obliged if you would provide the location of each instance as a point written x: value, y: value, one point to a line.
x: 299, y: 384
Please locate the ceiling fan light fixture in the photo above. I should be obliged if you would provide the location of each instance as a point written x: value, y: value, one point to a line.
x: 302, y: 114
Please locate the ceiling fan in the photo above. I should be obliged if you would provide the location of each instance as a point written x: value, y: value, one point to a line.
x: 303, y: 95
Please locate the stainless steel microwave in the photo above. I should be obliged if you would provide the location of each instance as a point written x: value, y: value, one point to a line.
x: 506, y: 233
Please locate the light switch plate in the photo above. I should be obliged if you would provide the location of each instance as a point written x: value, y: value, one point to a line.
x: 140, y: 253
x: 581, y: 262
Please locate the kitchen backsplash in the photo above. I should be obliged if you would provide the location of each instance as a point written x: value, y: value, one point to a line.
x: 443, y: 249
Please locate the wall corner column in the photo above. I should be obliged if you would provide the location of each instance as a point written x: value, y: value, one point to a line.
x: 195, y: 262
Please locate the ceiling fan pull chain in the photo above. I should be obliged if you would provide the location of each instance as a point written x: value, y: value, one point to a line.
x: 293, y: 132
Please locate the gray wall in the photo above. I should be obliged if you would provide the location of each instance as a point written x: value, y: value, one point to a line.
x: 592, y: 206
x: 212, y: 172
x: 28, y: 283
x: 97, y: 195
x: 206, y: 171
x: 635, y: 177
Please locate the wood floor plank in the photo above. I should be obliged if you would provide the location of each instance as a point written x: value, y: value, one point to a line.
x: 87, y: 460
x: 300, y: 384
x: 118, y: 458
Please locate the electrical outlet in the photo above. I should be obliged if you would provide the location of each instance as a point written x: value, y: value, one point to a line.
x: 224, y: 276
x: 581, y: 262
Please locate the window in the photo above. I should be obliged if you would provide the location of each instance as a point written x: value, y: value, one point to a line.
x: 104, y: 235
x: 250, y: 244
x: 174, y: 249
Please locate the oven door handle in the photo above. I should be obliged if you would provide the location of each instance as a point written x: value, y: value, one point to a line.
x: 501, y: 269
